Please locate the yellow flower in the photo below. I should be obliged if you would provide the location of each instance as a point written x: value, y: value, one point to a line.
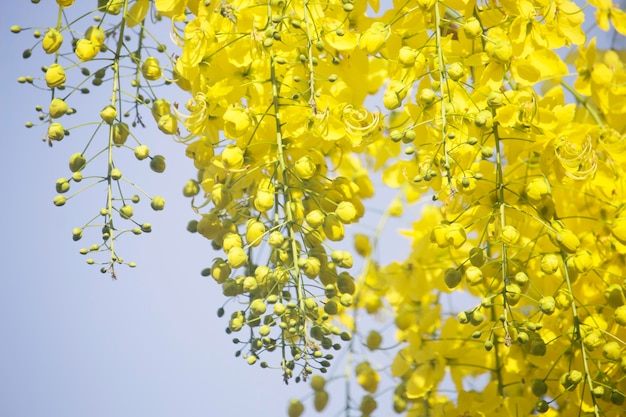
x: 151, y: 69
x: 160, y: 107
x: 346, y: 212
x: 52, y: 41
x: 86, y: 50
x: 305, y: 168
x: 108, y: 114
x: 455, y: 235
x: 333, y: 228
x: 236, y: 122
x: 55, y: 76
x: 65, y: 3
x: 549, y: 263
x: 168, y: 124
x: 620, y: 315
x: 373, y: 39
x: 58, y: 108
x: 510, y: 235
x: 232, y: 157
x: 56, y: 131
x: 367, y: 377
x: 237, y: 257
x: 255, y: 230
x: 95, y: 35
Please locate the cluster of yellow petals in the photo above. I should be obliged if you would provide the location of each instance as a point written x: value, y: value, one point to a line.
x: 478, y: 116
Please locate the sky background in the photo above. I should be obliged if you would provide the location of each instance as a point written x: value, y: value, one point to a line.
x: 73, y: 342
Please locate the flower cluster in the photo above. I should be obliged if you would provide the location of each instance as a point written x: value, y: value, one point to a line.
x: 98, y: 54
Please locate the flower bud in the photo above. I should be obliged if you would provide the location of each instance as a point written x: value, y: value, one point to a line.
x: 255, y: 230
x: 477, y: 256
x: 56, y: 131
x: 120, y: 133
x: 275, y: 239
x: 58, y: 108
x: 583, y: 262
x: 346, y: 212
x: 157, y: 164
x: 407, y: 56
x: 455, y: 235
x: 295, y: 409
x: 567, y: 240
x: 549, y: 263
x: 59, y: 200
x: 52, y: 41
x: 318, y: 382
x: 263, y: 200
x: 55, y: 76
x: 502, y: 52
x: 305, y: 168
x: 510, y: 235
x: 315, y: 218
x: 258, y: 307
x: 231, y: 240
x: 472, y: 28
x: 521, y: 279
x: 220, y: 270
x: 394, y: 94
x: 620, y: 315
x: 495, y: 99
x: 547, y: 305
x: 237, y: 257
x: 373, y: 39
x: 160, y: 107
x: 236, y: 122
x: 342, y: 258
x: 95, y: 35
x: 473, y: 275
x: 142, y: 152
x: 16, y: 29
x: 168, y: 124
x: 86, y: 50
x: 452, y: 277
x: 65, y: 3
x: 108, y: 114
x: 426, y: 97
x: 232, y: 157
x: 151, y: 69
x: 191, y: 188
x: 513, y: 294
x: 537, y: 189
x: 77, y: 162
x: 456, y: 71
x: 126, y: 212
x: 612, y: 351
x: 484, y: 119
x: 438, y: 235
x: 320, y: 399
x: 333, y: 228
x: 157, y: 203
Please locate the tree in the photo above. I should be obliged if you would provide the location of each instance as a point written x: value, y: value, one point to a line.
x: 517, y: 144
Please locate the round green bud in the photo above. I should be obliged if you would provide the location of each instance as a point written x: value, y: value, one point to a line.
x: 157, y: 163
x: 116, y: 174
x: 77, y: 162
x: 157, y: 203
x: 59, y: 200
x: 126, y: 212
x: 62, y: 185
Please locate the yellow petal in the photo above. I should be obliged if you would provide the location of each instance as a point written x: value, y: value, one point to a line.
x: 137, y: 12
